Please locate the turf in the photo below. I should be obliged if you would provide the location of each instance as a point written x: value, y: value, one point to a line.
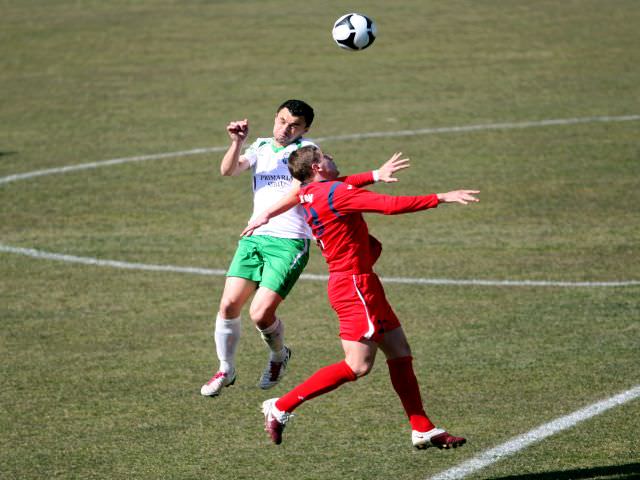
x: 101, y: 367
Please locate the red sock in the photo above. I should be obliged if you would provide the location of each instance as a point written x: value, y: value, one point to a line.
x: 406, y: 386
x: 323, y: 381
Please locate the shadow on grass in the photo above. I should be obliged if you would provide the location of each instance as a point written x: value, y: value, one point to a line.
x: 622, y: 472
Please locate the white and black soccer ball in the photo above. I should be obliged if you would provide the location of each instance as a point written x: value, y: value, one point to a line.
x: 354, y: 31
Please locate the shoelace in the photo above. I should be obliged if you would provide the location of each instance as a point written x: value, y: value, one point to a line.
x: 216, y: 376
x: 274, y: 370
x: 285, y: 417
x: 280, y: 416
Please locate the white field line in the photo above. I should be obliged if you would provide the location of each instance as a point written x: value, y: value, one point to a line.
x: 536, y: 435
x: 354, y: 136
x: 486, y: 126
x: 107, y: 163
x: 39, y: 254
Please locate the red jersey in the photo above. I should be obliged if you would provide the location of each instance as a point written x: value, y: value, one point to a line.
x: 334, y: 209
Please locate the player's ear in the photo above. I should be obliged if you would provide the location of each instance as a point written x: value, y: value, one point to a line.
x: 316, y: 168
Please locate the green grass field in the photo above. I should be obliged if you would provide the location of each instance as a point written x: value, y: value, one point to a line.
x: 101, y: 366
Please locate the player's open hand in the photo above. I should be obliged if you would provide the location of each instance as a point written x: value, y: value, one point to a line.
x: 391, y: 166
x: 260, y: 220
x: 239, y: 130
x: 459, y: 196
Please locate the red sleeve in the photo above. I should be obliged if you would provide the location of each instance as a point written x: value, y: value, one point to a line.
x: 359, y: 179
x: 349, y: 199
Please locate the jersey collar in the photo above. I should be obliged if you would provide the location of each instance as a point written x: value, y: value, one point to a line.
x: 297, y: 143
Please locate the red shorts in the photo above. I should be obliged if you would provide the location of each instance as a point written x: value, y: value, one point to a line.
x: 361, y: 305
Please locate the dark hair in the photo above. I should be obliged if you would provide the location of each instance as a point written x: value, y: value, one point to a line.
x: 298, y: 108
x: 300, y: 162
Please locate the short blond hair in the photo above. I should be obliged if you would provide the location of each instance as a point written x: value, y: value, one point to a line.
x: 301, y: 160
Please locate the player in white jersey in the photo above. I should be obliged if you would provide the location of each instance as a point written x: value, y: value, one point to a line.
x: 272, y: 181
x: 268, y: 264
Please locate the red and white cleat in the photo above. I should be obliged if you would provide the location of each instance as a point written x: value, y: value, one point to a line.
x: 216, y: 383
x: 436, y: 438
x: 274, y: 420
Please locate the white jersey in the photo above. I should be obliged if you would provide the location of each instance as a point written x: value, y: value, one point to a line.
x: 272, y: 181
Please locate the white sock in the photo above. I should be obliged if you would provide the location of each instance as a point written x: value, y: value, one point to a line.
x: 227, y: 337
x: 273, y: 336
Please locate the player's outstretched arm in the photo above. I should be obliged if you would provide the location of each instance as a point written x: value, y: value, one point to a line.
x: 459, y: 196
x: 287, y: 202
x: 391, y: 166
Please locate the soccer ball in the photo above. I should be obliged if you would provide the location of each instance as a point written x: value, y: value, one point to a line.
x: 354, y: 31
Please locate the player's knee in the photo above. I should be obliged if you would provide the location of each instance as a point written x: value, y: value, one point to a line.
x: 360, y: 369
x: 230, y: 307
x: 262, y: 315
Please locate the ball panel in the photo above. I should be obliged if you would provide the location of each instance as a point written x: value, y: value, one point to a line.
x: 361, y: 39
x: 341, y: 32
x: 358, y: 22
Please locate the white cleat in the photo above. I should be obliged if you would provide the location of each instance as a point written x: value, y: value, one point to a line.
x: 216, y: 383
x: 274, y: 372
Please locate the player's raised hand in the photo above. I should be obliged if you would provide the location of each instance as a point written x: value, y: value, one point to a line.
x: 391, y: 166
x: 239, y: 130
x: 459, y: 196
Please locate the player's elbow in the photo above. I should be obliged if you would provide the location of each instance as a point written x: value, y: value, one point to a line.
x: 227, y: 172
x: 391, y: 211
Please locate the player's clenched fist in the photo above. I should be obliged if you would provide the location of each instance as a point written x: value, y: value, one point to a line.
x: 239, y: 130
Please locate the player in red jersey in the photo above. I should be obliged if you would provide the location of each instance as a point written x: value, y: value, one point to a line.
x: 367, y: 321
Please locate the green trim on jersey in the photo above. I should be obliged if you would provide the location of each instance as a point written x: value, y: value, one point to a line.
x: 271, y: 262
x: 275, y: 149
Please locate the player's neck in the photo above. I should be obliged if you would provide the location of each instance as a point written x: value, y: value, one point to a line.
x: 319, y: 177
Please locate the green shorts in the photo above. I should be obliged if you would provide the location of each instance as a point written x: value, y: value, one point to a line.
x: 271, y: 262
